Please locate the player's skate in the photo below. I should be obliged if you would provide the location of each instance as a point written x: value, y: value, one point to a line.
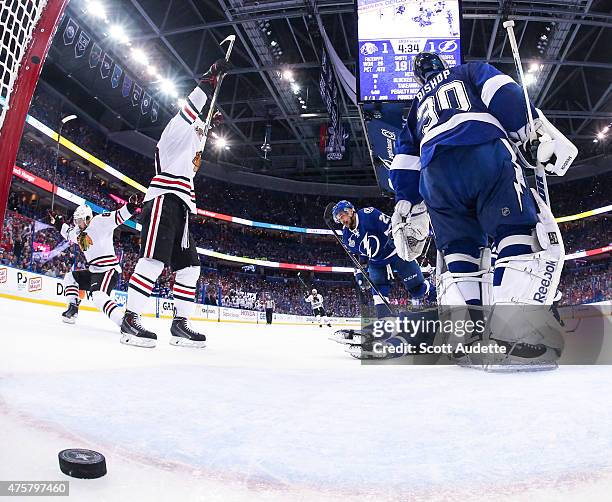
x: 530, y: 335
x: 133, y: 333
x: 366, y: 346
x: 70, y: 315
x: 344, y: 336
x: 184, y: 336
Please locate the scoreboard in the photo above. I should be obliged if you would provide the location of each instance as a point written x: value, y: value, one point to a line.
x: 391, y: 32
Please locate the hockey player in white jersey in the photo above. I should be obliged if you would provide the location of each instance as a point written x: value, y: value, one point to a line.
x: 316, y: 302
x: 165, y: 235
x: 457, y: 156
x: 94, y: 235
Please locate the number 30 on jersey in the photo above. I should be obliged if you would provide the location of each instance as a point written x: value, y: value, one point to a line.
x: 448, y: 96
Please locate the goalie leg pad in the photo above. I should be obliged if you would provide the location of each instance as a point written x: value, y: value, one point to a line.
x: 464, y: 276
x: 524, y: 290
x: 530, y: 278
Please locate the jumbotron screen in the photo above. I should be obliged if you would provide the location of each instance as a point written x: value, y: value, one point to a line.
x: 392, y: 32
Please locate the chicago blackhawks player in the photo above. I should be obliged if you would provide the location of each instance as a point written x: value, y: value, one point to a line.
x: 316, y: 302
x: 94, y: 235
x: 165, y: 235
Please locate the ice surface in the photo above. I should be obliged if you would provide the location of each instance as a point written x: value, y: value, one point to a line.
x: 281, y: 413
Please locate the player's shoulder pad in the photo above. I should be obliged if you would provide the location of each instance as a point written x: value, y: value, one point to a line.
x: 368, y: 210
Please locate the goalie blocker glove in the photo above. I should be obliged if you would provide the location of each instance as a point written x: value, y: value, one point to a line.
x: 410, y: 228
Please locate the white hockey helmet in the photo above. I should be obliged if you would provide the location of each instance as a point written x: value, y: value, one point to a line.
x: 83, y: 214
x: 314, y: 291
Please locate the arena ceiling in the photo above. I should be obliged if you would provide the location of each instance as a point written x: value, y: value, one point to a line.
x: 573, y: 84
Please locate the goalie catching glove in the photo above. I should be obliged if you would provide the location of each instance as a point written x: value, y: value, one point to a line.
x: 410, y: 228
x: 550, y: 148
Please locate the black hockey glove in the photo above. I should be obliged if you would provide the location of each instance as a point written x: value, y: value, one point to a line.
x: 57, y: 220
x: 134, y: 204
x: 210, y: 79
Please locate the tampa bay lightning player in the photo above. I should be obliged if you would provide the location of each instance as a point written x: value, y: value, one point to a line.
x: 367, y: 234
x: 456, y: 163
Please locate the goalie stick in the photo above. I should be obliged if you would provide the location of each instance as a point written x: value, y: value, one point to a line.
x: 329, y: 222
x: 540, y: 174
x: 211, y: 110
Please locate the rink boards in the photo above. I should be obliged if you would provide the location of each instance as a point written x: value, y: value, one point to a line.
x: 27, y: 286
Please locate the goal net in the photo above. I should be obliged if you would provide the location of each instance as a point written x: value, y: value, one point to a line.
x: 26, y: 30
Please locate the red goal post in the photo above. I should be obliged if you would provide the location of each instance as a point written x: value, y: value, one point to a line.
x: 26, y: 31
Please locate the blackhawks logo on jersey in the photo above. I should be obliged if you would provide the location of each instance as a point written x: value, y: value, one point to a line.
x: 197, y: 161
x: 84, y: 241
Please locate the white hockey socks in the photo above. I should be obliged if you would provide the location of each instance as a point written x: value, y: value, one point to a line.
x: 71, y: 288
x: 108, y: 306
x: 142, y: 282
x: 184, y: 290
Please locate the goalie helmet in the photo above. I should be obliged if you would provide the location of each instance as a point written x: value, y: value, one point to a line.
x: 426, y: 65
x: 82, y: 213
x: 314, y: 291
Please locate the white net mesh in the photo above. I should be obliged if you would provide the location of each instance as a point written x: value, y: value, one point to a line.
x: 18, y: 18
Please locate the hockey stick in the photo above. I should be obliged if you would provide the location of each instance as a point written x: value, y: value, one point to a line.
x: 299, y: 276
x: 327, y: 216
x: 540, y: 173
x: 213, y: 101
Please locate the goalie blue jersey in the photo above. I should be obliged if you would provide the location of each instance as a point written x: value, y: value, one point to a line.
x: 371, y: 237
x: 469, y: 104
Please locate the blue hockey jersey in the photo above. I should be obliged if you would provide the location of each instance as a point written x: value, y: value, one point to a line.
x: 468, y: 104
x: 371, y: 237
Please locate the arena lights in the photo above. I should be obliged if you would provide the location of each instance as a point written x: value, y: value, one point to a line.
x: 167, y: 87
x: 530, y: 79
x: 221, y: 143
x: 139, y: 56
x: 544, y: 38
x: 535, y: 67
x: 96, y: 9
x: 117, y: 32
x: 295, y: 88
x: 288, y: 75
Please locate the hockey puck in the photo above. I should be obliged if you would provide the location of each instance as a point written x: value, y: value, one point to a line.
x: 84, y: 464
